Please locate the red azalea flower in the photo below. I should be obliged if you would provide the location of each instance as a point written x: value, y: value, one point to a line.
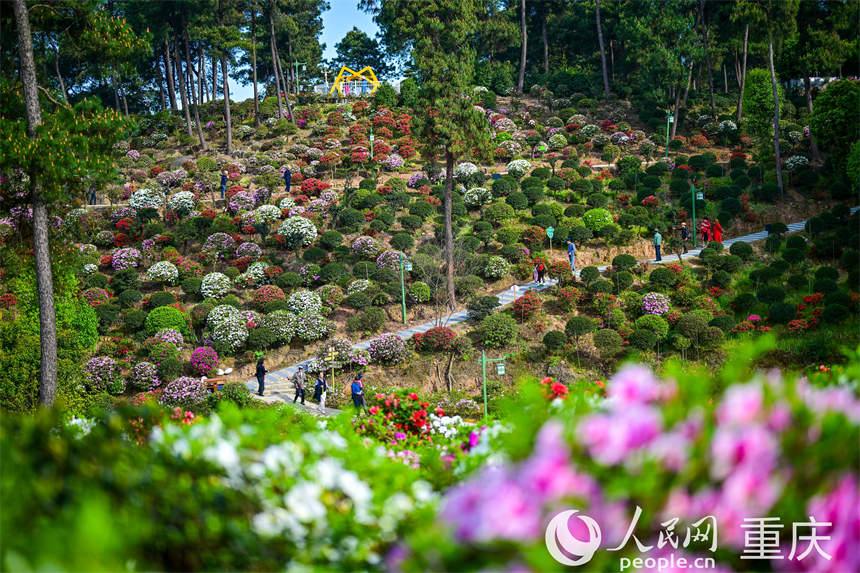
x: 374, y: 410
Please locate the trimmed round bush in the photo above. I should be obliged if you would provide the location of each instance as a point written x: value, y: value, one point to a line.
x: 402, y: 241
x: 163, y: 272
x: 215, y: 285
x: 824, y: 285
x: 496, y: 268
x: 419, y: 292
x: 601, y: 285
x: 589, y: 274
x: 826, y: 273
x: 724, y: 322
x: 694, y: 324
x: 608, y: 342
x: 579, y: 326
x: 185, y: 392
x: 655, y: 324
x: 642, y: 339
x: 387, y: 349
x: 742, y: 250
x: 554, y: 340
x: 303, y: 301
x: 497, y: 330
x: 770, y: 294
x: 834, y: 314
x: 596, y: 219
x: 261, y: 338
x: 624, y: 262
x: 623, y: 280
x: 282, y: 323
x: 781, y: 313
x: 165, y: 317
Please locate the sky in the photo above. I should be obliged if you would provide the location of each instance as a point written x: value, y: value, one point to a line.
x: 337, y: 21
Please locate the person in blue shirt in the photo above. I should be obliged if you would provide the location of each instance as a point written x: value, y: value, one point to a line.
x: 571, y: 254
x: 223, y: 182
x: 658, y: 242
x: 288, y: 175
x: 358, y: 392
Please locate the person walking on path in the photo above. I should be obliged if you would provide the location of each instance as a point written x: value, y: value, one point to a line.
x: 224, y: 176
x: 541, y: 272
x: 685, y: 235
x: 299, y: 382
x: 261, y: 377
x: 706, y: 231
x: 571, y: 254
x: 658, y: 242
x: 357, y: 389
x: 321, y: 390
x: 535, y: 274
x: 717, y: 231
x: 288, y: 176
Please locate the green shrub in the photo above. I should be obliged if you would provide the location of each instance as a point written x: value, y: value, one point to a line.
x: 834, y: 314
x: 589, y: 274
x: 601, y: 285
x: 466, y: 285
x: 771, y: 294
x: 655, y: 324
x: 262, y: 338
x: 579, y: 326
x: 370, y: 321
x: 237, y: 393
x: 289, y: 280
x: 540, y: 173
x: 124, y: 280
x: 554, y: 340
x: 826, y: 273
x: 662, y: 277
x: 331, y: 239
x: 129, y: 297
x: 191, y: 286
x: 608, y: 342
x: 497, y: 330
x: 781, y: 312
x: 724, y: 322
x: 133, y: 320
x: 481, y: 306
x: 642, y: 339
x: 499, y: 212
x: 357, y: 300
x: 742, y: 250
x: 165, y: 317
x: 596, y: 219
x: 824, y: 285
x: 623, y: 280
x: 509, y: 235
x: 419, y: 292
x: 402, y: 241
x: 333, y: 272
x: 534, y: 194
x: 624, y: 262
x: 694, y: 324
x: 169, y: 369
x: 797, y: 282
x: 504, y: 186
x: 721, y: 279
x: 314, y: 254
x: 363, y: 269
x: 352, y: 219
x: 837, y: 297
x: 98, y: 280
x: 410, y: 222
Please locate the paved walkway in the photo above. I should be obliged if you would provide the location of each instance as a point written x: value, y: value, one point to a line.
x: 280, y: 380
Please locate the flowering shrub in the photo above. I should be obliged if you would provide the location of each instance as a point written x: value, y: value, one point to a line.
x: 250, y: 250
x: 477, y: 196
x: 796, y: 162
x: 518, y: 168
x: 266, y: 214
x: 184, y: 392
x: 365, y: 247
x: 436, y: 339
x: 331, y: 295
x: 127, y: 258
x: 534, y: 235
x: 282, y: 323
x: 342, y: 353
x: 171, y: 178
x: 301, y: 227
x: 401, y: 411
x: 144, y: 376
x: 496, y: 267
x: 465, y: 169
x: 221, y: 314
x: 215, y: 285
x: 267, y: 294
x: 387, y: 348
x: 230, y: 335
x: 170, y: 336
x: 303, y: 301
x: 553, y: 390
x: 393, y: 162
x: 557, y: 141
x: 313, y: 186
x: 182, y: 203
x: 311, y: 326
x: 655, y: 303
x: 204, y: 359
x: 569, y: 297
x: 146, y: 199
x: 526, y: 305
x: 241, y: 202
x: 102, y: 373
x: 219, y: 245
x: 163, y: 272
x: 390, y: 259
x: 94, y: 297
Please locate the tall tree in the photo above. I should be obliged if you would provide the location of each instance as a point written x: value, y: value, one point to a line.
x: 524, y: 47
x: 602, y: 51
x: 743, y: 75
x: 195, y: 105
x: 358, y: 50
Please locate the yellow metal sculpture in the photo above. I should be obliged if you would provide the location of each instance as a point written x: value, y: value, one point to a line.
x: 348, y: 75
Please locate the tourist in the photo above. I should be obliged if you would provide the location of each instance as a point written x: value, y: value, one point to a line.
x: 358, y: 392
x: 261, y: 377
x: 717, y: 231
x: 224, y: 176
x: 321, y: 390
x: 706, y: 230
x: 658, y: 242
x: 571, y: 254
x: 685, y: 235
x: 299, y: 382
x: 288, y: 176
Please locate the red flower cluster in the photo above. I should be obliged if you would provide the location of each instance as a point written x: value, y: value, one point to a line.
x: 397, y: 416
x: 439, y: 339
x: 312, y: 186
x: 553, y: 390
x: 155, y: 170
x: 526, y: 305
x: 534, y: 235
x: 569, y: 297
x: 8, y: 300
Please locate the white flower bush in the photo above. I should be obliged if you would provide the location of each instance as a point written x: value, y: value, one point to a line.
x: 496, y: 267
x: 215, y: 285
x: 266, y: 214
x: 300, y: 225
x: 590, y: 130
x: 90, y: 269
x: 163, y: 272
x: 358, y: 285
x: 728, y: 126
x: 557, y: 141
x: 182, y: 202
x: 230, y: 335
x: 304, y: 301
x: 477, y: 196
x: 464, y: 170
x: 287, y: 203
x: 796, y: 162
x: 311, y: 326
x: 147, y: 199
x: 518, y: 168
x: 221, y: 314
x: 282, y: 323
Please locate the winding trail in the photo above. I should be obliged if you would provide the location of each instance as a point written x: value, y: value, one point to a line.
x: 279, y: 385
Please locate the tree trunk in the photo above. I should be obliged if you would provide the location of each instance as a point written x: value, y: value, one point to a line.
x: 41, y: 245
x: 57, y: 71
x: 522, y: 77
x: 602, y: 51
x: 160, y: 79
x: 743, y: 77
x: 286, y: 87
x: 687, y: 86
x: 775, y: 115
x: 227, y: 105
x: 725, y: 79
x: 182, y: 92
x: 194, y: 104
x: 816, y: 154
x: 710, y: 72
x: 449, y: 230
x: 677, y: 107
x: 292, y: 69
x: 214, y: 78
x: 168, y: 72
x: 201, y: 76
x: 115, y: 88
x: 124, y: 101
x: 274, y: 64
x: 545, y: 43
x: 612, y: 59
x: 254, y: 66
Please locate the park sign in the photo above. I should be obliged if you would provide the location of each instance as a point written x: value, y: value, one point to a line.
x: 550, y: 231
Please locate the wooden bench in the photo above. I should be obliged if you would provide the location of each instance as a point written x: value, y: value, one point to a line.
x: 213, y: 384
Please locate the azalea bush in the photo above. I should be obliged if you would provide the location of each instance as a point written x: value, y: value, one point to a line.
x: 387, y: 348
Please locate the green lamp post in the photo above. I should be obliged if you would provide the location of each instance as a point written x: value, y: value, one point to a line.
x: 669, y: 119
x: 500, y: 370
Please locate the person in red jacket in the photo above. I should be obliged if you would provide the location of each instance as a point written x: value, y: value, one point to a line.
x: 717, y: 231
x: 706, y: 230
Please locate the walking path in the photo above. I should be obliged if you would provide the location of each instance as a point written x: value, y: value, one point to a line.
x: 279, y: 387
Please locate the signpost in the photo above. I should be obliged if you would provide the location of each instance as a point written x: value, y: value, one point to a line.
x: 500, y: 370
x: 304, y: 68
x: 550, y: 231
x: 371, y: 155
x: 331, y: 357
x: 669, y: 119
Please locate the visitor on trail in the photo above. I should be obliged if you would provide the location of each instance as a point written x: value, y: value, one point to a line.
x: 658, y: 242
x: 299, y: 382
x: 685, y: 234
x: 571, y: 254
x: 358, y: 392
x: 535, y: 274
x: 320, y: 390
x: 717, y: 231
x: 706, y: 230
x: 224, y: 175
x: 288, y: 175
x: 541, y: 272
x: 261, y: 377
